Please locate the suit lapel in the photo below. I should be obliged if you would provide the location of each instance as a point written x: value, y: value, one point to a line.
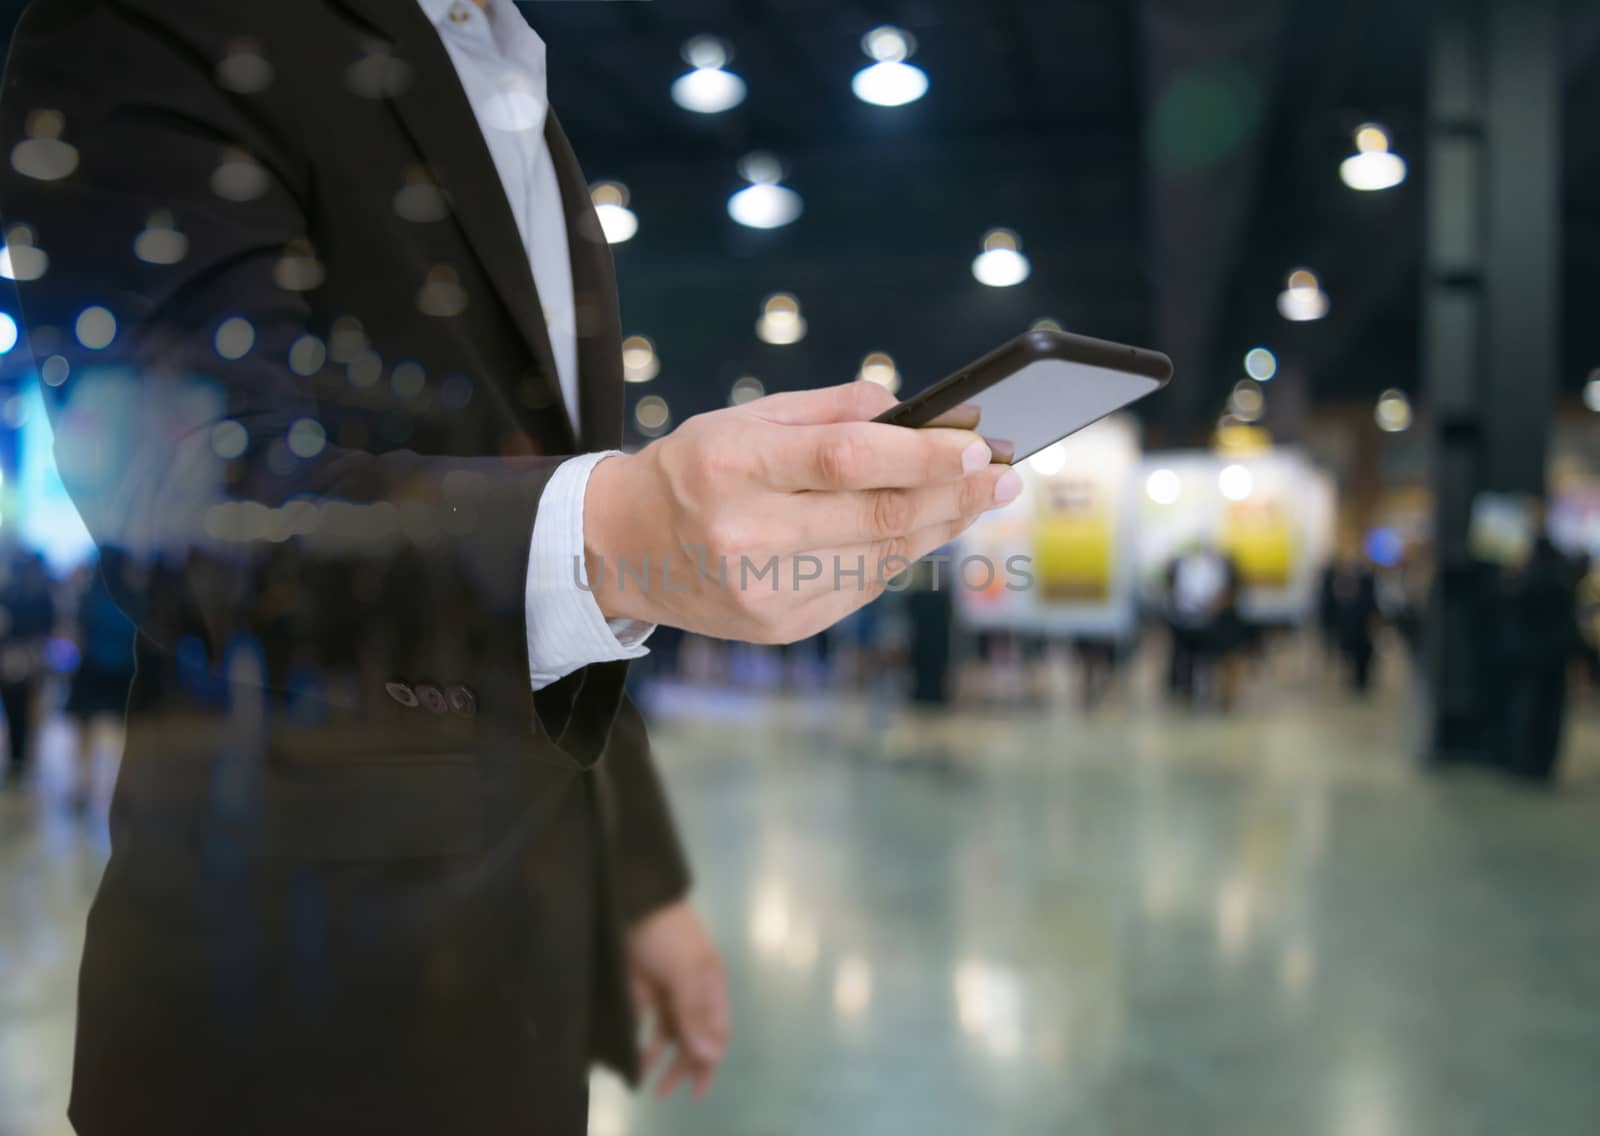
x: 594, y: 293
x: 440, y: 120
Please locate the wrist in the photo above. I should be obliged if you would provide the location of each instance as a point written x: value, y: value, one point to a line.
x: 608, y: 506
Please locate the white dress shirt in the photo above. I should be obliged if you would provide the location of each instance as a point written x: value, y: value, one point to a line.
x: 500, y: 61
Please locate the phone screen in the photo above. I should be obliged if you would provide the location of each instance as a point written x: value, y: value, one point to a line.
x: 1051, y: 398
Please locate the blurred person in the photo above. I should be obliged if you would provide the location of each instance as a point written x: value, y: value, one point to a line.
x: 98, y: 693
x: 1588, y: 598
x: 1034, y: 651
x: 1542, y: 638
x: 372, y: 319
x: 27, y: 619
x: 1228, y: 637
x: 1097, y: 657
x: 1328, y: 611
x: 931, y: 617
x: 1356, y: 593
x: 1198, y: 587
x: 1404, y: 603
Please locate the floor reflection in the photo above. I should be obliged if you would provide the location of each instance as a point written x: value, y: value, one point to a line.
x: 1138, y: 922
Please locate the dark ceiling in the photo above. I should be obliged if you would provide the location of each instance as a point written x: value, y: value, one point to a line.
x: 1166, y: 162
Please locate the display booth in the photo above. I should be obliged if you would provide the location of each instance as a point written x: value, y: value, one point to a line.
x: 1272, y: 512
x: 1059, y: 560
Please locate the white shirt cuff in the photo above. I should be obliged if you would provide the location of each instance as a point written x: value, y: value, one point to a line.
x: 566, y: 629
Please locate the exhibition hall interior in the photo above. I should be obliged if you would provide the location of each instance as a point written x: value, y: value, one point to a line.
x: 1241, y: 775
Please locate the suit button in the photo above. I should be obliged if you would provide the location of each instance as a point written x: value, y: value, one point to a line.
x: 462, y: 701
x: 401, y: 693
x: 432, y: 698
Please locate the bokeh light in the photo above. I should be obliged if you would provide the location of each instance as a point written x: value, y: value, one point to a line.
x: 1260, y: 364
x: 781, y: 323
x: 1393, y: 412
x: 640, y: 363
x: 1235, y: 482
x: 652, y: 415
x: 1163, y: 486
x: 891, y: 81
x: 1001, y: 264
x: 617, y: 221
x: 1372, y: 167
x: 709, y: 88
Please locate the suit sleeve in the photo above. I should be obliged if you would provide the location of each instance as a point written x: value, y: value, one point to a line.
x: 652, y: 870
x: 185, y: 415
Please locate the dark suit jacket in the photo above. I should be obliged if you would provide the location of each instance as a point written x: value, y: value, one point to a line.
x: 362, y: 879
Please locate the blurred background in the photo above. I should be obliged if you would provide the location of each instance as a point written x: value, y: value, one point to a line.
x: 1274, y: 804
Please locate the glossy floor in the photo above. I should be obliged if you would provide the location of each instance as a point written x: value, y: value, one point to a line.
x: 1041, y: 922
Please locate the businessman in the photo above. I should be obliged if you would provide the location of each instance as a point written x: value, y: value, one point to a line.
x: 328, y: 330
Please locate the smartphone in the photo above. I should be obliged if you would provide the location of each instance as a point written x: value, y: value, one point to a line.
x: 1039, y: 388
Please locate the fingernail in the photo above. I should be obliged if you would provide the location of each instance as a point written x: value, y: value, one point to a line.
x: 704, y: 1048
x: 1007, y: 488
x: 975, y: 457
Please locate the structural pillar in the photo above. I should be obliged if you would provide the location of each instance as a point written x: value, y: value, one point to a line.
x: 1491, y: 309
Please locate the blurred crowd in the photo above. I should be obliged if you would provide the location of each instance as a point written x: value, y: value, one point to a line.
x: 67, y: 648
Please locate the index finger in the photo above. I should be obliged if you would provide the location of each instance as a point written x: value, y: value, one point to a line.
x: 963, y: 417
x: 872, y: 455
x: 849, y: 402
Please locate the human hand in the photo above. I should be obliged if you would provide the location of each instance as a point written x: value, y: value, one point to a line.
x: 681, y: 995
x: 771, y: 521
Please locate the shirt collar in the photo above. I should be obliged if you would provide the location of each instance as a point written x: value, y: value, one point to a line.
x: 439, y: 10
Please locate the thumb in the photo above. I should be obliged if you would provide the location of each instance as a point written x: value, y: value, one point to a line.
x: 848, y: 402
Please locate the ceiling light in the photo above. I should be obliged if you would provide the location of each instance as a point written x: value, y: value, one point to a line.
x: 652, y: 416
x: 229, y: 439
x: 747, y: 389
x: 708, y: 89
x: 95, y: 328
x: 244, y: 70
x: 1246, y: 403
x: 1260, y: 364
x: 891, y: 81
x: 8, y: 333
x: 1591, y: 391
x: 1303, y: 299
x: 1372, y: 166
x: 307, y: 355
x: 1393, y: 413
x: 239, y: 177
x: 20, y: 258
x: 1163, y: 486
x: 42, y: 154
x: 1049, y: 461
x: 160, y: 242
x: 781, y: 322
x: 1235, y: 482
x: 879, y: 368
x: 617, y: 221
x: 234, y: 338
x: 1001, y: 263
x: 640, y: 363
x: 764, y: 204
x: 307, y: 438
